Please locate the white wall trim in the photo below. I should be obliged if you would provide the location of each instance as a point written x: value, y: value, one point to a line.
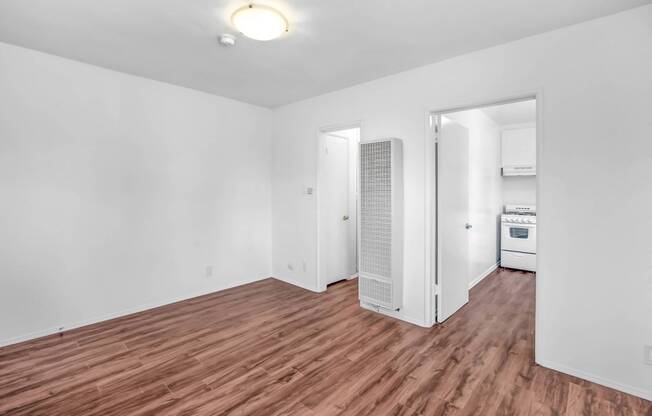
x: 68, y: 326
x: 297, y: 283
x: 647, y: 395
x: 396, y: 315
x: 483, y: 275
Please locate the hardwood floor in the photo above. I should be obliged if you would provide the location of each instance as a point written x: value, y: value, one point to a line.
x: 270, y: 348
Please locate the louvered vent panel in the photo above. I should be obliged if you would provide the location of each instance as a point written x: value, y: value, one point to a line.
x: 381, y: 223
x: 375, y: 289
x: 376, y: 208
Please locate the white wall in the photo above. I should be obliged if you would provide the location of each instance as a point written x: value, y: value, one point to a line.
x: 485, y: 191
x: 116, y: 192
x: 594, y: 284
x: 518, y: 190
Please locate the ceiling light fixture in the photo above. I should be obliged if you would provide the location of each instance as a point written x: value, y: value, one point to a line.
x: 259, y: 22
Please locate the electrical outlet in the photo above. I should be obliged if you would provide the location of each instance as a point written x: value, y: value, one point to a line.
x: 647, y: 354
x: 290, y: 266
x: 305, y: 268
x: 209, y: 271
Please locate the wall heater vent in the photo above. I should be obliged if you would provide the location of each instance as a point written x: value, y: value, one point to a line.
x: 381, y: 223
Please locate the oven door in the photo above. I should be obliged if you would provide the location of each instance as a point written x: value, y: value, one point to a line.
x: 519, y: 237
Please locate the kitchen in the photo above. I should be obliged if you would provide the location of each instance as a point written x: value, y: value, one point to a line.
x: 497, y: 164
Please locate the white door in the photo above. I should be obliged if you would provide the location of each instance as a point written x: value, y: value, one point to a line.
x: 453, y: 217
x: 337, y: 241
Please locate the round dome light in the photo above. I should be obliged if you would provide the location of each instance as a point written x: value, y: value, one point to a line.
x: 259, y: 22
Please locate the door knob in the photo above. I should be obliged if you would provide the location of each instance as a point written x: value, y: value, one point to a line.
x: 468, y: 226
x: 344, y: 218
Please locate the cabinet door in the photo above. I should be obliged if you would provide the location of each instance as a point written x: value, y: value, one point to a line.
x: 519, y: 147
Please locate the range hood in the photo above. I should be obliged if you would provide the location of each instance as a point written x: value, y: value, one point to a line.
x: 519, y: 170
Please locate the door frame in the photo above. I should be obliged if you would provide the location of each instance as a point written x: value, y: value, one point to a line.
x: 321, y: 280
x: 432, y: 118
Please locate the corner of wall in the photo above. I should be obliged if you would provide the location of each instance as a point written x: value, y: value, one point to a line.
x: 296, y: 282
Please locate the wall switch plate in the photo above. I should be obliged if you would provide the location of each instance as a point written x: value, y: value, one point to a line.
x: 209, y: 271
x: 648, y: 354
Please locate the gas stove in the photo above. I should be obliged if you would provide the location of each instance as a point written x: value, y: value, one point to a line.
x: 518, y: 242
x: 519, y: 214
x: 518, y: 219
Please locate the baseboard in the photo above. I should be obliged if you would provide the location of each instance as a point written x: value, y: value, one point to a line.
x: 483, y: 275
x: 395, y: 315
x: 140, y: 308
x: 392, y: 314
x: 295, y: 282
x: 634, y: 391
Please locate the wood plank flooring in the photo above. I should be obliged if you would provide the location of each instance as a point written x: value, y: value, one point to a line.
x: 269, y: 348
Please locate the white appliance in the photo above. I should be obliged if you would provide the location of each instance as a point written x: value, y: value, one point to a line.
x: 380, y: 274
x: 518, y: 242
x: 519, y: 170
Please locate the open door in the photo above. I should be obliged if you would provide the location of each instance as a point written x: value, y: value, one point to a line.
x: 452, y: 217
x: 337, y: 206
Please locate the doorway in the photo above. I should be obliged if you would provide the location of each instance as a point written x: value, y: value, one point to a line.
x: 337, y: 201
x: 485, y: 177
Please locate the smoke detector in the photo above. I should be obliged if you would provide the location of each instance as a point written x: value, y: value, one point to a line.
x: 227, y: 40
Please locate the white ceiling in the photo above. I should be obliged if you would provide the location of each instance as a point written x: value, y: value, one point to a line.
x: 331, y: 44
x: 523, y: 112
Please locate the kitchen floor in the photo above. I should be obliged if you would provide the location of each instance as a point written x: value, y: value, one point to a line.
x: 269, y: 348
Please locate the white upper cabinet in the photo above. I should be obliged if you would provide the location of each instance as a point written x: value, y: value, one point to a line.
x: 519, y: 152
